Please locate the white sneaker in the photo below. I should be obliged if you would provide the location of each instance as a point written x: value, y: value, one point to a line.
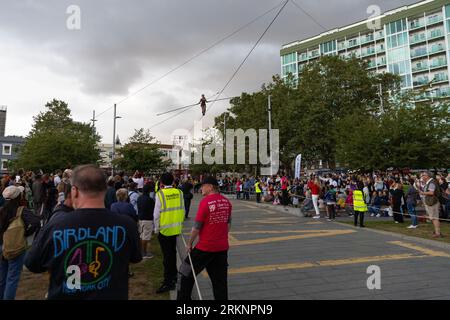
x: 378, y: 215
x: 316, y: 217
x: 372, y: 215
x: 396, y: 221
x: 329, y: 220
x: 412, y: 227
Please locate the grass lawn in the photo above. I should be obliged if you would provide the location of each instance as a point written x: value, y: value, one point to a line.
x: 148, y: 276
x: 424, y: 230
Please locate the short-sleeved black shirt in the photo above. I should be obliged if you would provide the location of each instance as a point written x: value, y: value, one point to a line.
x: 96, y: 243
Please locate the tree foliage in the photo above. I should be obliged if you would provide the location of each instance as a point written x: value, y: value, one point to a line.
x: 56, y: 141
x: 340, y: 112
x: 142, y: 153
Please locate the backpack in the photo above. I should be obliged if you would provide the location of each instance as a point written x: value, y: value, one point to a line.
x: 14, y: 241
x: 432, y: 200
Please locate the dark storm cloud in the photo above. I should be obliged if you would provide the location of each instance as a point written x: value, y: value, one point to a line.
x: 121, y: 40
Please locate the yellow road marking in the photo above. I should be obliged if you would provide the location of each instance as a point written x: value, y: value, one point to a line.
x: 324, y: 263
x: 286, y: 231
x: 323, y: 233
x: 428, y: 252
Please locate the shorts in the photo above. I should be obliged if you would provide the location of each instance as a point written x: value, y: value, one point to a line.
x: 146, y: 229
x: 433, y: 211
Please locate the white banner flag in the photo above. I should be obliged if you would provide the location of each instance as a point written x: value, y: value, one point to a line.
x: 298, y: 165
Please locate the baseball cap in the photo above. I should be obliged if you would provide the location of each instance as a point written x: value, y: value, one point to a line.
x: 12, y: 192
x: 210, y: 180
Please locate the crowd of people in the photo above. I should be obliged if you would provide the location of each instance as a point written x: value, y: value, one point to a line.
x: 384, y: 194
x: 82, y: 223
x: 112, y: 220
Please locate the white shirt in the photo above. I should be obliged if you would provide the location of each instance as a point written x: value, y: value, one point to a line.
x: 157, y: 212
x: 57, y: 180
x: 139, y: 182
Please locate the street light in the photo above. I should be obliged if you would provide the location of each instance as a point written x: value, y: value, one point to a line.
x: 114, y: 140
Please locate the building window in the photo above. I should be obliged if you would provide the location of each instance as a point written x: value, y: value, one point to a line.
x: 4, y: 165
x: 7, y: 149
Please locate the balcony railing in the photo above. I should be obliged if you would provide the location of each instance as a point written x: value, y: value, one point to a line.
x: 435, y: 34
x: 352, y: 44
x: 435, y: 49
x: 418, y: 38
x: 420, y: 82
x: 366, y: 40
x: 419, y: 53
x: 368, y: 52
x: 438, y: 64
x: 416, y: 24
x: 420, y: 68
x: 440, y: 78
x: 433, y: 20
x: 443, y: 92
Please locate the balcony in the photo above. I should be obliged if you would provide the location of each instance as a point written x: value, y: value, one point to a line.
x: 435, y: 34
x: 419, y: 53
x: 418, y: 39
x: 417, y: 24
x: 438, y: 64
x: 420, y: 82
x: 443, y: 92
x: 371, y: 65
x: 436, y: 49
x: 352, y: 44
x: 441, y: 77
x: 303, y: 57
x: 380, y: 49
x: 381, y: 63
x: 434, y: 20
x: 420, y: 67
x: 367, y: 39
x: 379, y: 36
x: 368, y: 52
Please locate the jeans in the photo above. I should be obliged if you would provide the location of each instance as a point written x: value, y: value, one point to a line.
x: 374, y: 209
x: 412, y: 213
x: 9, y: 276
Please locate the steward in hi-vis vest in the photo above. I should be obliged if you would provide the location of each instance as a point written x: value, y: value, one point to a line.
x: 359, y: 205
x: 258, y: 191
x: 168, y: 219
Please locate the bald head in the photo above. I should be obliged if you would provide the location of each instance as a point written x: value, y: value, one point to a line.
x: 90, y: 180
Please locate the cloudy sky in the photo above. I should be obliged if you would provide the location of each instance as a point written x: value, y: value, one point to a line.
x: 124, y: 45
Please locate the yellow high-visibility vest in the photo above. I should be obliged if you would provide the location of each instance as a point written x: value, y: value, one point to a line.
x: 257, y: 188
x: 172, y: 211
x: 358, y: 201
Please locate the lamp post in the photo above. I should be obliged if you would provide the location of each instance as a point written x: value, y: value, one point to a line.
x: 114, y: 140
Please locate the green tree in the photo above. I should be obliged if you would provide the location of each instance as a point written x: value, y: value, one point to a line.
x: 142, y: 153
x: 56, y: 141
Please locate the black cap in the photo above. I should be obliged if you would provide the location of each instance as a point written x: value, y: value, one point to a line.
x: 210, y: 180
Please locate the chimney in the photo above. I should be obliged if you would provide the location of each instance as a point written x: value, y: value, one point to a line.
x: 3, y: 110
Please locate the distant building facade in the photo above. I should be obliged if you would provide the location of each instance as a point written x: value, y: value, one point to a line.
x: 8, y: 151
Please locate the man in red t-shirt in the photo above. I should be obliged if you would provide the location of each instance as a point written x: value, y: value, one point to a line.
x: 212, y: 225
